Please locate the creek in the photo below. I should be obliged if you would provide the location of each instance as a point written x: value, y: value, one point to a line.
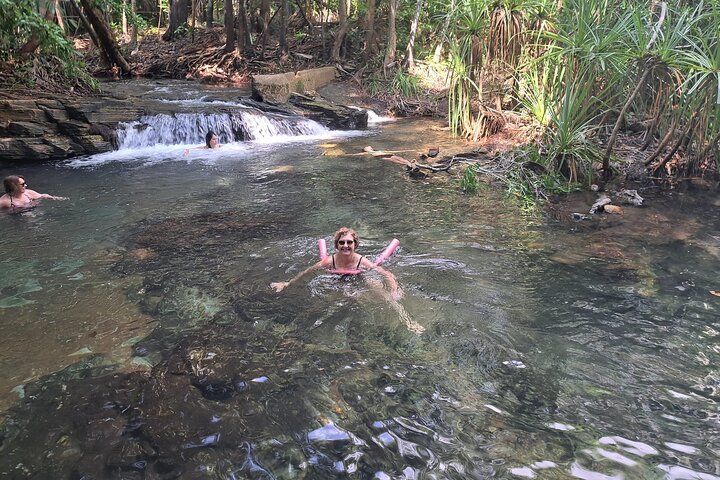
x: 141, y: 338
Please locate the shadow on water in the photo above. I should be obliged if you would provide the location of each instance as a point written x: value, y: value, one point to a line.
x: 551, y: 349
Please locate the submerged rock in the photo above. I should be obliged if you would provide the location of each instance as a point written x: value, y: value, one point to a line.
x: 629, y: 197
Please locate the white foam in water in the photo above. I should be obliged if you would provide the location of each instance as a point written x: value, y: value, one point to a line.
x: 676, y: 472
x: 188, y: 128
x: 682, y: 448
x: 165, y: 138
x: 373, y: 117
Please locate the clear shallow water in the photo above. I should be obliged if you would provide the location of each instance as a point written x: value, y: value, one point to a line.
x: 143, y: 337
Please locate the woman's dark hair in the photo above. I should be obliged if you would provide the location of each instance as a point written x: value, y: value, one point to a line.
x: 208, y: 137
x: 12, y: 185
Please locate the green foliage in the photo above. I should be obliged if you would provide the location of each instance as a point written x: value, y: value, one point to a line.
x: 117, y: 7
x: 469, y: 182
x: 569, y: 141
x: 375, y: 85
x: 535, y: 90
x: 182, y: 31
x: 19, y: 24
x: 531, y: 179
x: 405, y: 83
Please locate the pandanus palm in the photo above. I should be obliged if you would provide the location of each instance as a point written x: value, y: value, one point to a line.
x: 654, y: 57
x: 702, y: 87
x: 490, y: 35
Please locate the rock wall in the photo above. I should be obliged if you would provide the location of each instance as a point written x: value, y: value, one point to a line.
x: 55, y: 129
x: 278, y: 88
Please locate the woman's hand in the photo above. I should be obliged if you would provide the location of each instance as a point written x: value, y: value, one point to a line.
x: 279, y: 286
x: 59, y: 198
x: 397, y: 293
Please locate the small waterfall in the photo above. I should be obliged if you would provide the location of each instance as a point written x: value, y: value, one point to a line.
x: 190, y: 128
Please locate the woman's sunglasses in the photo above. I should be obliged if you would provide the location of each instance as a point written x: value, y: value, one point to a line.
x: 346, y: 242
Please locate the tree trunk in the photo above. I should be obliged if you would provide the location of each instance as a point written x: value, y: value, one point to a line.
x: 443, y: 34
x: 264, y: 25
x: 107, y: 42
x: 342, y: 30
x: 133, y: 28
x: 124, y: 22
x: 178, y: 16
x: 370, y: 30
x: 663, y: 143
x: 680, y: 141
x: 244, y: 40
x: 89, y: 29
x: 58, y: 14
x: 323, y: 26
x: 229, y: 26
x: 409, y: 59
x: 193, y: 18
x: 391, y: 37
x: 621, y: 116
x: 209, y: 13
x: 284, y: 16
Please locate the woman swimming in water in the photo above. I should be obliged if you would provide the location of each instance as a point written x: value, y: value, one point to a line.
x: 211, y: 142
x: 18, y: 196
x: 345, y: 259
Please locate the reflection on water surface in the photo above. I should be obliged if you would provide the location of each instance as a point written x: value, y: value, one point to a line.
x: 142, y: 340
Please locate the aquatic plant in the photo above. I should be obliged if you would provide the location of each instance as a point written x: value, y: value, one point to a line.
x: 469, y: 181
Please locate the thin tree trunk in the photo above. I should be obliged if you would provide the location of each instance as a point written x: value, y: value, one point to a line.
x: 178, y: 16
x: 409, y: 59
x: 133, y: 28
x: 229, y: 26
x: 244, y: 40
x: 323, y: 25
x: 58, y: 14
x: 679, y: 142
x: 621, y: 117
x: 443, y: 34
x: 370, y: 30
x: 342, y: 30
x: 86, y: 24
x: 193, y: 17
x: 209, y: 13
x: 265, y: 22
x: 663, y: 143
x: 105, y: 37
x: 124, y: 22
x: 301, y: 10
x: 391, y: 37
x: 284, y: 15
x: 706, y: 151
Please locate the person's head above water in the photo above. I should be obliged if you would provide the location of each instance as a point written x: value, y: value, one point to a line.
x: 344, y: 232
x: 14, y: 185
x: 18, y: 195
x: 211, y: 140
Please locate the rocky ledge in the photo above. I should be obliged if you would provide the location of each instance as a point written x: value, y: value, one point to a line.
x: 34, y: 129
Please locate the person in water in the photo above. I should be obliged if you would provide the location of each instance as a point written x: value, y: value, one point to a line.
x: 211, y: 142
x: 18, y: 196
x: 345, y: 259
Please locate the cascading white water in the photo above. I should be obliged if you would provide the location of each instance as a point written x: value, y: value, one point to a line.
x: 189, y: 128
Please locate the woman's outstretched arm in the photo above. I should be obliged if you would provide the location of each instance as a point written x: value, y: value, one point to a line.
x: 280, y: 286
